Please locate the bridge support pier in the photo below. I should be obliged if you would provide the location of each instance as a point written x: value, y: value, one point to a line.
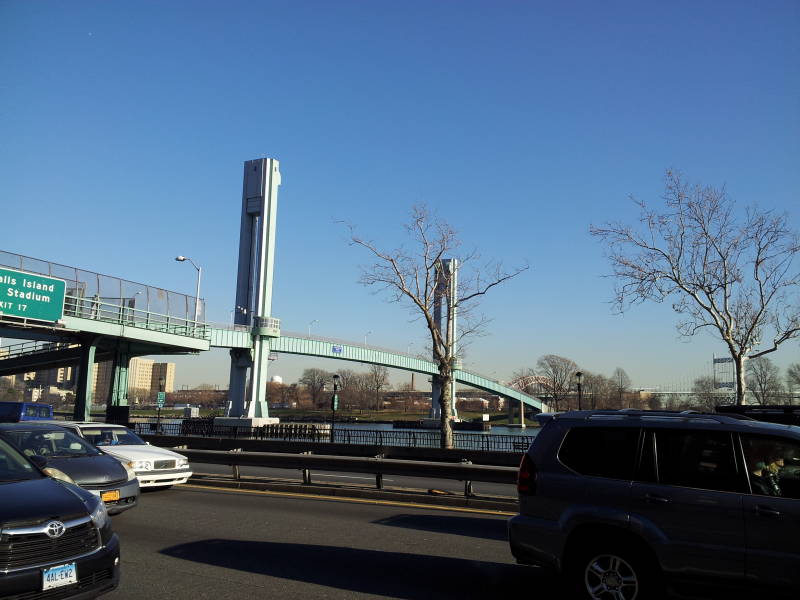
x: 118, y: 391
x: 83, y: 395
x: 241, y: 360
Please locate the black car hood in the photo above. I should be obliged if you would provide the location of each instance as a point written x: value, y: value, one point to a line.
x: 36, y: 500
x: 94, y: 470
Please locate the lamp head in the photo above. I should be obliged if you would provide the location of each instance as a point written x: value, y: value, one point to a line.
x: 579, y: 376
x: 180, y: 258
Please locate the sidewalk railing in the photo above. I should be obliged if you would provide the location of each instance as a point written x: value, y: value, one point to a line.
x: 322, y: 432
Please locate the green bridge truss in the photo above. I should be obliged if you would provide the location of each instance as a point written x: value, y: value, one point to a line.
x: 240, y: 337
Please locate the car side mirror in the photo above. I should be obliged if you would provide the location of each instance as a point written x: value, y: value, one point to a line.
x: 39, y: 461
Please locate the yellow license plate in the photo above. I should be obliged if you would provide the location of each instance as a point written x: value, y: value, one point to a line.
x: 110, y: 496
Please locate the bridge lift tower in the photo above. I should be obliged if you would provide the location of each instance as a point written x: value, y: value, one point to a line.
x: 445, y: 291
x: 248, y: 400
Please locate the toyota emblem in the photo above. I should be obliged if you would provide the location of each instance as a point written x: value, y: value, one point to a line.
x: 55, y: 529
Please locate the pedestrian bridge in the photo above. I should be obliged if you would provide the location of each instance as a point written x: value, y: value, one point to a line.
x: 294, y: 343
x: 107, y: 318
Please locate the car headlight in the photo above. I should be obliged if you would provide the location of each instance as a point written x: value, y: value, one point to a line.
x: 129, y: 470
x: 56, y: 474
x: 99, y: 514
x: 182, y: 462
x: 141, y: 465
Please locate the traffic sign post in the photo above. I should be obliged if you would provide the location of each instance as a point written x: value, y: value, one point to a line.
x: 159, y: 405
x: 30, y: 296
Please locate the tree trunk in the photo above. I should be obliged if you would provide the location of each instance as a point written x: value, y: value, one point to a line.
x: 741, y: 386
x: 445, y: 400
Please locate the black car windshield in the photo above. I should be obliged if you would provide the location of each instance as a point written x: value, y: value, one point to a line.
x: 49, y: 442
x: 111, y: 436
x: 13, y: 466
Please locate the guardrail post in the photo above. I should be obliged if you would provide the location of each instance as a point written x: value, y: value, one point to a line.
x: 306, y: 472
x: 236, y: 467
x: 379, y: 476
x: 468, y: 491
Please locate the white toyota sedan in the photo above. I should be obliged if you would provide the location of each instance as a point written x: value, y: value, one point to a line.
x: 154, y: 467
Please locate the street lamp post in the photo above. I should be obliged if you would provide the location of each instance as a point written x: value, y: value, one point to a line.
x: 197, y: 289
x: 579, y: 381
x: 334, y: 403
x: 365, y: 336
x: 310, y: 324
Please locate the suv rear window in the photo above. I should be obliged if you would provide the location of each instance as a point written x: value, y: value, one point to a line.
x: 697, y: 459
x: 601, y: 451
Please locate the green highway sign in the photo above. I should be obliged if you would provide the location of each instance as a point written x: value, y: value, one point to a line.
x: 31, y: 296
x: 160, y: 399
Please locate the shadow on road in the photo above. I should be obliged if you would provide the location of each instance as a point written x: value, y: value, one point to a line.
x: 393, y: 574
x: 490, y: 529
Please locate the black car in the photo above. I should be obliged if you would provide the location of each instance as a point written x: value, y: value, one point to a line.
x: 53, y: 447
x: 56, y: 540
x: 623, y: 502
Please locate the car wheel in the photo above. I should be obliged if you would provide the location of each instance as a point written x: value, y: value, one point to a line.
x: 613, y: 572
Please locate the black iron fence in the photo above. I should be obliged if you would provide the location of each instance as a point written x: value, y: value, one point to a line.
x: 323, y: 432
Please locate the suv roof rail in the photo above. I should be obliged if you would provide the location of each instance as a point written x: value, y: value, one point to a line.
x: 636, y: 413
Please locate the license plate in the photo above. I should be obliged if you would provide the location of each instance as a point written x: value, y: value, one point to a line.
x: 110, y: 496
x: 61, y: 575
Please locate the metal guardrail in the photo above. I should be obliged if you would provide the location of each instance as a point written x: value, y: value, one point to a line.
x: 379, y: 467
x: 307, y: 432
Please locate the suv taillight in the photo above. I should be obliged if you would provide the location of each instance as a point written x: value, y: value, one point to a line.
x: 526, y: 478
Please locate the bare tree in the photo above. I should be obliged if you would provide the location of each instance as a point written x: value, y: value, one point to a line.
x: 793, y: 378
x: 558, y: 374
x: 656, y: 401
x: 599, y: 390
x: 737, y: 280
x: 346, y: 387
x: 379, y: 381
x: 361, y: 384
x: 414, y: 277
x: 764, y: 380
x: 315, y: 381
x: 622, y: 383
x: 705, y: 394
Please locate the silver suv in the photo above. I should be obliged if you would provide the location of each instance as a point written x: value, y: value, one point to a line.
x: 623, y: 502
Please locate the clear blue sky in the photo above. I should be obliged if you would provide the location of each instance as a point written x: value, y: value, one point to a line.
x: 124, y: 125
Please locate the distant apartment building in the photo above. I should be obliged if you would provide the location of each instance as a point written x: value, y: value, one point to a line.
x: 144, y: 379
x: 163, y: 377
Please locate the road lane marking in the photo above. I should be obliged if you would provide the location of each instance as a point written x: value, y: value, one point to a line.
x: 482, y: 511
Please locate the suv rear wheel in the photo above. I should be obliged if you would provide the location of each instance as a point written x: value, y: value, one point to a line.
x: 612, y: 572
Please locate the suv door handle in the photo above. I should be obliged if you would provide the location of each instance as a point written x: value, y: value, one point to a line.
x: 653, y: 499
x: 766, y: 511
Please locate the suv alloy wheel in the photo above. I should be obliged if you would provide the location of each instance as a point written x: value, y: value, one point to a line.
x: 612, y: 572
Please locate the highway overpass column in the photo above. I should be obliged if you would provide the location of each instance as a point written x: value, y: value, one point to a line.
x: 83, y: 396
x: 118, y: 392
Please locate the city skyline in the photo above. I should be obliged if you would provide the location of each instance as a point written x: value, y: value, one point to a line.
x: 520, y: 125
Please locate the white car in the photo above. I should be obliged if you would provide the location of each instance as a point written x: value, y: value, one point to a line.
x: 154, y: 467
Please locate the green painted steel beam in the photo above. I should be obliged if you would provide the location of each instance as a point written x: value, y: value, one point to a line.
x: 128, y: 332
x: 227, y: 338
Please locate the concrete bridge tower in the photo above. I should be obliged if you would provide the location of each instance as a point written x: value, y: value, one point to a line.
x: 445, y: 292
x: 248, y: 400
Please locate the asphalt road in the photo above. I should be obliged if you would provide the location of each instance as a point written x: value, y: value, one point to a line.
x: 195, y: 543
x: 389, y: 481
